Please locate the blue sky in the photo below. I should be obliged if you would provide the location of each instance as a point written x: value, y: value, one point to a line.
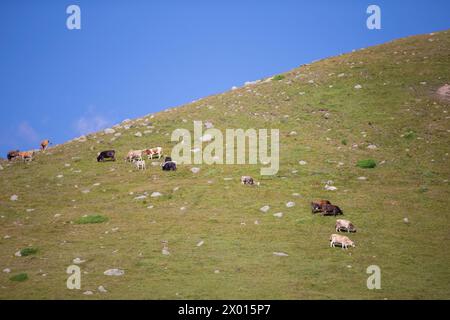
x: 131, y: 58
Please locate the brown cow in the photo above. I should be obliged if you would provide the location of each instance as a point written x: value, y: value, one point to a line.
x: 44, y: 144
x: 13, y: 154
x: 26, y: 155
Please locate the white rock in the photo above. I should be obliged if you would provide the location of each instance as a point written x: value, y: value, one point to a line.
x: 264, y: 209
x: 278, y: 214
x: 14, y: 197
x: 141, y: 197
x: 117, y: 134
x: 290, y: 204
x: 85, y: 191
x: 7, y: 270
x: 82, y: 139
x: 102, y: 289
x: 78, y: 261
x: 156, y: 194
x: 293, y: 133
x: 358, y: 86
x: 138, y: 134
x: 18, y: 254
x: 1, y: 168
x: 114, y: 272
x: 7, y: 237
x: 165, y: 251
x: 30, y: 210
x: 208, y: 125
x: 109, y: 131
x: 362, y: 178
x: 200, y: 243
x: 57, y: 215
x: 405, y: 220
x: 330, y: 188
x: 195, y: 170
x: 302, y: 163
x: 59, y: 176
x: 280, y: 254
x: 88, y: 293
x: 371, y: 147
x: 216, y: 271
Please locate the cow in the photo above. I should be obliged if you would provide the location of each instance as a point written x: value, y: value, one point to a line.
x: 169, y: 165
x: 109, y: 154
x: 13, y: 154
x: 317, y: 206
x: 134, y: 155
x: 153, y: 152
x: 331, y: 210
x: 343, y: 241
x: 344, y: 225
x: 247, y: 180
x: 45, y: 144
x: 26, y: 155
x: 140, y: 165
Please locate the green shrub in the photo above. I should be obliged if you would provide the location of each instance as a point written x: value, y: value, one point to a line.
x: 19, y: 277
x: 278, y: 77
x: 28, y: 251
x: 91, y: 219
x: 366, y: 164
x: 344, y: 142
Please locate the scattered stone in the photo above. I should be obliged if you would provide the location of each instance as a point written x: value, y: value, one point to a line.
x: 18, y: 254
x: 293, y: 133
x: 216, y: 271
x: 195, y: 170
x: 1, y: 168
x: 57, y: 215
x: 30, y: 210
x: 7, y: 237
x: 278, y: 214
x: 302, y: 163
x: 165, y: 249
x: 264, y: 209
x: 14, y: 197
x: 200, y: 243
x: 7, y: 270
x: 330, y: 188
x: 358, y: 86
x: 406, y: 220
x: 290, y: 204
x: 371, y: 147
x: 85, y: 191
x: 280, y: 254
x: 114, y: 272
x: 78, y: 261
x: 150, y: 207
x: 362, y: 178
x: 208, y: 125
x: 88, y: 293
x: 59, y: 176
x: 102, y: 289
x: 156, y: 194
x: 109, y: 131
x: 138, y: 134
x: 141, y: 197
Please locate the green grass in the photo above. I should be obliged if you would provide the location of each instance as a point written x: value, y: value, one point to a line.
x: 406, y: 183
x: 91, y: 219
x: 19, y: 277
x: 278, y: 77
x: 366, y: 164
x: 28, y: 251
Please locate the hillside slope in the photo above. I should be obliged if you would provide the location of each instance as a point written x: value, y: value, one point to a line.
x: 395, y: 109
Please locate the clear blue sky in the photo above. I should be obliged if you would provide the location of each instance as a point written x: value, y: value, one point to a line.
x: 132, y: 58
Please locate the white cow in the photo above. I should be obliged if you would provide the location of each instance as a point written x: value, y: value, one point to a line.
x: 342, y: 240
x: 134, y: 155
x: 140, y: 165
x: 344, y: 225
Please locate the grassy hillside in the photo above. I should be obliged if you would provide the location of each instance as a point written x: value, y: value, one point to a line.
x: 395, y: 109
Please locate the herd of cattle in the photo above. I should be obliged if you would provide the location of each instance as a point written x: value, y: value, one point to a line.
x: 324, y: 207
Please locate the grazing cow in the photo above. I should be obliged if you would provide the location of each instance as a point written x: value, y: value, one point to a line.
x: 343, y: 241
x: 140, y: 165
x: 109, y: 154
x: 44, y: 144
x: 247, y: 180
x: 26, y: 155
x: 318, y: 206
x: 344, y: 225
x: 13, y: 154
x: 169, y: 165
x: 153, y: 152
x: 331, y: 210
x: 134, y: 155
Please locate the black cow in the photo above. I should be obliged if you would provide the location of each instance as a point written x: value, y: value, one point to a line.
x: 331, y: 210
x: 169, y: 165
x: 109, y: 154
x: 13, y: 154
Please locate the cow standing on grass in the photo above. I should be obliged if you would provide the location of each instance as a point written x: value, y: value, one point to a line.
x: 344, y: 225
x: 26, y: 155
x: 134, y: 155
x: 158, y: 151
x: 13, y: 154
x: 45, y: 144
x: 109, y: 154
x: 169, y: 165
x: 343, y: 241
